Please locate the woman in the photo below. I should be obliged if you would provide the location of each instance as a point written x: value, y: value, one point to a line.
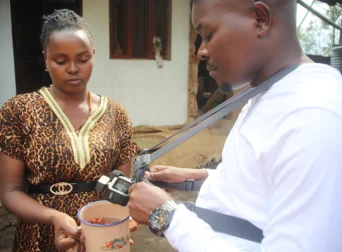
x: 60, y: 134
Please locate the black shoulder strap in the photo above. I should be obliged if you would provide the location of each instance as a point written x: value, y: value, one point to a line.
x: 227, y: 224
x: 219, y: 222
x: 217, y: 113
x: 188, y: 186
x: 149, y: 155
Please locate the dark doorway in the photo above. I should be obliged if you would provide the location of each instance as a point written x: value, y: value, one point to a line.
x: 26, y: 15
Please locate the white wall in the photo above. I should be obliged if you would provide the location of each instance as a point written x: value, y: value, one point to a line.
x: 152, y: 96
x: 7, y: 75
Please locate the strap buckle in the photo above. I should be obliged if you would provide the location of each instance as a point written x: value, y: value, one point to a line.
x: 189, y: 185
x: 61, y: 188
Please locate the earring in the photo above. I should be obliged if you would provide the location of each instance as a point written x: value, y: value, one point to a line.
x: 46, y: 69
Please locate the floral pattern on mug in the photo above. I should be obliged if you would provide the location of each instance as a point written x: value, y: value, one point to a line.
x: 116, y: 243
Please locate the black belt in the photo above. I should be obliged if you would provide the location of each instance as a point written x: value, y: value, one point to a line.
x: 62, y: 188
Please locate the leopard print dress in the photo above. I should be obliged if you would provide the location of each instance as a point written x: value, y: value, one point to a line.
x: 35, y: 130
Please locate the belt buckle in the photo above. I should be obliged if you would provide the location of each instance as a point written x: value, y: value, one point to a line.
x: 61, y: 188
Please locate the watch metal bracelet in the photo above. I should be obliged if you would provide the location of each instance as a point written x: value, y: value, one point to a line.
x: 171, y: 205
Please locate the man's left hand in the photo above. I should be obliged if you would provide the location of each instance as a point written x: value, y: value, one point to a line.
x: 144, y: 198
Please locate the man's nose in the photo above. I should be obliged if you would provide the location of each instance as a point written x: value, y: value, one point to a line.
x: 203, y: 53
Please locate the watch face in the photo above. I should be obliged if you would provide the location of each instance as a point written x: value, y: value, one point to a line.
x: 158, y: 219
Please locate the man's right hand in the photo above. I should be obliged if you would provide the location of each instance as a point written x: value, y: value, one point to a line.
x: 170, y: 174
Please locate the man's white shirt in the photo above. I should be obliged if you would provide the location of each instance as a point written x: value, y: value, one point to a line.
x: 281, y: 170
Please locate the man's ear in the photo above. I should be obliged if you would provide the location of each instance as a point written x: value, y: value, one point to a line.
x: 262, y: 18
x: 93, y: 51
x: 44, y: 55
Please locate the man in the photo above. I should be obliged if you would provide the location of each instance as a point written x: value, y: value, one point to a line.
x: 281, y: 163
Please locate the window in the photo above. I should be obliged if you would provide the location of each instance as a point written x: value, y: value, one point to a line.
x: 134, y: 23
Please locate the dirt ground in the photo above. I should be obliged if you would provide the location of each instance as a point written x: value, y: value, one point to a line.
x: 202, y: 150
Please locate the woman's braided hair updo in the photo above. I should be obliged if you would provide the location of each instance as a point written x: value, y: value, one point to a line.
x: 63, y: 19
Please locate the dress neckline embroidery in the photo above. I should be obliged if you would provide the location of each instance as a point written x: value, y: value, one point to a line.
x: 79, y: 142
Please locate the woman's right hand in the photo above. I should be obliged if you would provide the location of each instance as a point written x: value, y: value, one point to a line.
x: 68, y: 237
x: 170, y: 174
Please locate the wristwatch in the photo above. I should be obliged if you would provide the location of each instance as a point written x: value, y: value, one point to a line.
x: 161, y: 217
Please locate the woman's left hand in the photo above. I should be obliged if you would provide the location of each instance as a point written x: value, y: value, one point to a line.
x: 133, y: 226
x: 68, y: 237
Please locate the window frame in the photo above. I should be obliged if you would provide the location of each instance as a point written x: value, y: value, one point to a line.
x: 166, y: 51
